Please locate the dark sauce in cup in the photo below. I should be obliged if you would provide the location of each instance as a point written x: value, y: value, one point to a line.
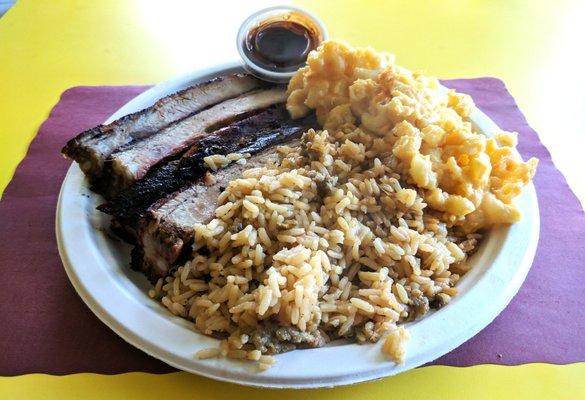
x: 282, y: 43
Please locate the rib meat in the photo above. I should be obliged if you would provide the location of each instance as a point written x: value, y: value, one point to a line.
x: 91, y: 147
x: 150, y: 164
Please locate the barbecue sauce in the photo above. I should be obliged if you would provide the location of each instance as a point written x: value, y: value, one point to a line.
x: 282, y: 44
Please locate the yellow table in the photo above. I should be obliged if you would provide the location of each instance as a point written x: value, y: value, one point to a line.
x: 534, y: 46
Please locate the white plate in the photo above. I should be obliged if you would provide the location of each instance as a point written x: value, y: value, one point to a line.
x: 97, y: 265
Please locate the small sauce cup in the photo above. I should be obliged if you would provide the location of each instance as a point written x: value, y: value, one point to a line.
x: 275, y: 42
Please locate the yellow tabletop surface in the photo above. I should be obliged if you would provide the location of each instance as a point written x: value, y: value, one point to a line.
x: 47, y: 46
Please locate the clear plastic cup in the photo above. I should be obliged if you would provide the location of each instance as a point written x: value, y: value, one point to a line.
x: 273, y: 13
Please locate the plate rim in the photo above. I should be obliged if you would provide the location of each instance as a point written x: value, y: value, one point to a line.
x: 141, y: 343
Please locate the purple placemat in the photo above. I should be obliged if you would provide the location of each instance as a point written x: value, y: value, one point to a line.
x: 46, y: 327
